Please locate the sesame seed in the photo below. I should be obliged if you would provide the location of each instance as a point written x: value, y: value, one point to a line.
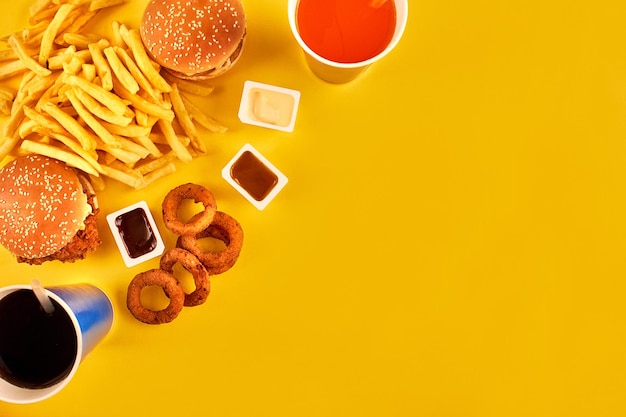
x: 33, y: 195
x: 182, y: 33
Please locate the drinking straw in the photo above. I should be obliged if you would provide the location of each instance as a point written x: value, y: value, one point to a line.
x: 41, y: 295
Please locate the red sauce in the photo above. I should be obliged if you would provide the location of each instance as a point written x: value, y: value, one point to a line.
x: 346, y: 31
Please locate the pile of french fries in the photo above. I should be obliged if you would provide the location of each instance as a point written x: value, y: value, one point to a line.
x: 97, y: 103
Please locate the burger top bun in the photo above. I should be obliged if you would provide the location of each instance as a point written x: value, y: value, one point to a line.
x: 191, y: 37
x: 42, y: 206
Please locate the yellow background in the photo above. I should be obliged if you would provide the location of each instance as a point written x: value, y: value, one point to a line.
x: 451, y: 241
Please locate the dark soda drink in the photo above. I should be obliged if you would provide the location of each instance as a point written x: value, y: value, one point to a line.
x: 37, y: 349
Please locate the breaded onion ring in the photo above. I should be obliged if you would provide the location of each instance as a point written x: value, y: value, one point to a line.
x: 173, y: 201
x: 224, y: 228
x: 172, y: 289
x: 200, y: 275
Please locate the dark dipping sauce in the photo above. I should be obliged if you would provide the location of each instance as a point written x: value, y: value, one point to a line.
x: 136, y: 233
x: 253, y: 176
x: 37, y: 349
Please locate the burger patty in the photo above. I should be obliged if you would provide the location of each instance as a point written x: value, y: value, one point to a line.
x: 84, y: 242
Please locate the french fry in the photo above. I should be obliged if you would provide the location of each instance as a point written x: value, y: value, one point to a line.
x: 101, y: 4
x: 76, y: 23
x: 172, y: 140
x: 160, y: 111
x: 157, y: 163
x: 133, y: 40
x: 5, y: 107
x: 105, y: 158
x: 49, y: 124
x: 117, y: 105
x: 123, y: 75
x: 132, y: 180
x: 23, y: 55
x: 134, y: 147
x: 142, y: 118
x: 81, y: 41
x: 11, y: 68
x: 102, y: 66
x: 91, y: 121
x: 6, y: 100
x: 10, y: 129
x: 35, y: 87
x: 98, y: 104
x: 127, y: 157
x: 183, y: 117
x: 54, y: 152
x: 38, y: 6
x: 116, y: 36
x: 90, y: 157
x: 51, y: 31
x: 56, y: 62
x: 70, y: 124
x: 74, y: 66
x: 190, y: 87
x: 132, y: 130
x: 7, y: 144
x: 22, y: 92
x: 66, y: 107
x: 149, y: 145
x: 44, y: 15
x: 32, y: 35
x: 7, y: 55
x: 203, y: 119
x: 50, y: 93
x: 28, y: 127
x: 160, y: 139
x: 137, y: 74
x: 97, y: 183
x: 101, y: 111
x: 159, y: 173
x: 7, y: 93
x: 88, y: 72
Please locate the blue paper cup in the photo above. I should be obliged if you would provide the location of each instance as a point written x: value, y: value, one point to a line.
x: 91, y: 314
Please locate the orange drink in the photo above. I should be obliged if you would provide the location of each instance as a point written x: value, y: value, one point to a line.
x: 346, y: 31
x: 341, y: 38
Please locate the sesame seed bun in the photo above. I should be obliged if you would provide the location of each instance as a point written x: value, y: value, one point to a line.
x: 44, y: 206
x: 194, y: 39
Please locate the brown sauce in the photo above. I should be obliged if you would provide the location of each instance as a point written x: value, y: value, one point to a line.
x: 136, y: 233
x: 253, y: 176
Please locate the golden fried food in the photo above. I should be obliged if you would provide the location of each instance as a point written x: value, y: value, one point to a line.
x: 200, y: 275
x: 224, y: 228
x: 174, y: 199
x: 172, y: 289
x: 103, y: 95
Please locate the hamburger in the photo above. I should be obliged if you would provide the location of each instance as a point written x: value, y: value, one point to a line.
x: 47, y: 211
x: 194, y: 39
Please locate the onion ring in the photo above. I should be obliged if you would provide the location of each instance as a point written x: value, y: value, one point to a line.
x: 200, y: 275
x: 224, y: 228
x: 172, y: 289
x: 198, y: 222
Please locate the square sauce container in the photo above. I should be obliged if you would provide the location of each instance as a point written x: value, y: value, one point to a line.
x: 136, y: 234
x: 256, y: 178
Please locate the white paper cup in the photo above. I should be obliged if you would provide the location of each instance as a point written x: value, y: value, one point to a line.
x: 91, y: 313
x: 338, y: 72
